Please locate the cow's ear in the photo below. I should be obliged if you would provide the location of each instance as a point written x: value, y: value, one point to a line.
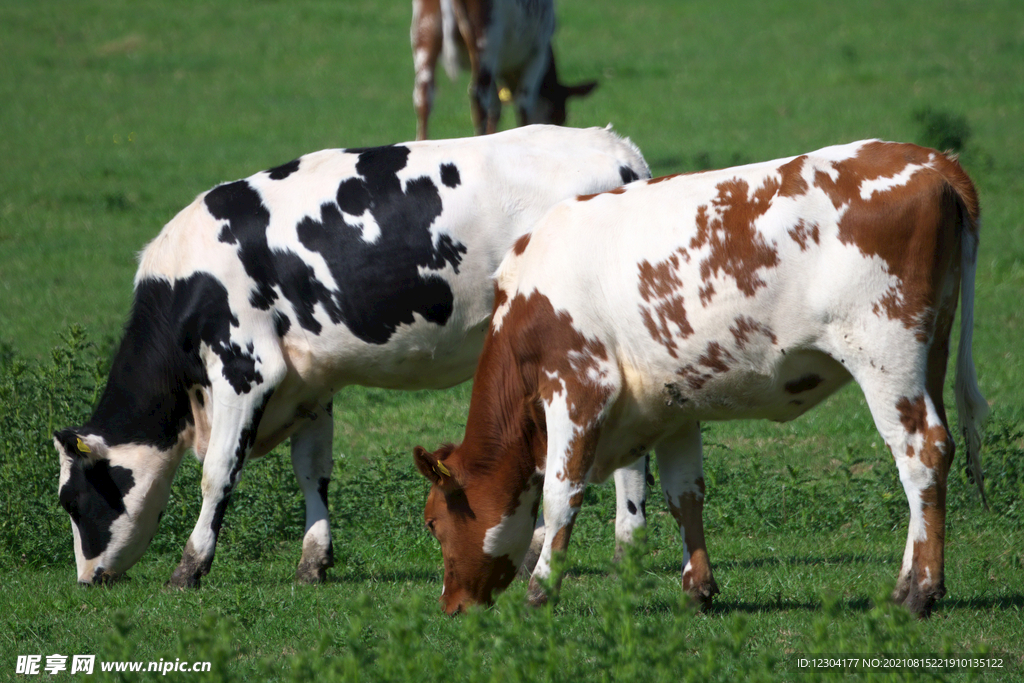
x: 87, y: 446
x: 433, y: 467
x: 580, y: 89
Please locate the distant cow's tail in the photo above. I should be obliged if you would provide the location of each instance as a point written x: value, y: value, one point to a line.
x: 451, y: 45
x: 971, y: 406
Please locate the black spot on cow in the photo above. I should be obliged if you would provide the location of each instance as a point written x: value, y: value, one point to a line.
x: 94, y: 497
x: 631, y: 506
x: 803, y: 383
x: 627, y: 174
x: 284, y: 170
x: 377, y: 285
x: 322, y: 489
x: 450, y: 175
x: 282, y: 323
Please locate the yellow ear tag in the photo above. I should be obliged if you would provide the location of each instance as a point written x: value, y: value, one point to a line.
x: 505, y: 95
x: 82, y: 447
x: 441, y: 469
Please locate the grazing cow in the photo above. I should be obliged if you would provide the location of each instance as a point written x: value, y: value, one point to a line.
x: 266, y: 296
x: 625, y: 318
x: 504, y: 41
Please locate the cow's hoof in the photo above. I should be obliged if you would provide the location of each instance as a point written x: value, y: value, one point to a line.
x: 184, y: 580
x: 315, y: 562
x: 189, y: 571
x: 311, y: 572
x: 703, y: 593
x: 902, y: 590
x: 536, y: 596
x: 920, y: 601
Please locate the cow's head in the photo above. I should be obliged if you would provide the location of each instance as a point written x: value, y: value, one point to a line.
x: 550, y: 105
x: 484, y: 526
x: 115, y: 496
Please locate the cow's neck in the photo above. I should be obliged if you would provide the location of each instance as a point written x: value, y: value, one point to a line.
x: 504, y: 439
x: 145, y: 400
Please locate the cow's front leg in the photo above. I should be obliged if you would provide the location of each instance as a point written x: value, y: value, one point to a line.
x: 312, y: 461
x: 239, y: 394
x: 630, y: 502
x: 570, y: 455
x: 681, y: 469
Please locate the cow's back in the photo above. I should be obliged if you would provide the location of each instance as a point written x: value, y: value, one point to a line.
x: 373, y: 265
x: 731, y: 294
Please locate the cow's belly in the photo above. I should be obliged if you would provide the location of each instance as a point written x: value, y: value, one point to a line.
x: 653, y: 408
x: 795, y: 383
x: 420, y: 356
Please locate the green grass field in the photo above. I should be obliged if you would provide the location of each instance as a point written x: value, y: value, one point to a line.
x: 116, y: 114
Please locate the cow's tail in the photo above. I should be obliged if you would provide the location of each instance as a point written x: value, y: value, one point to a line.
x: 451, y: 43
x: 971, y: 406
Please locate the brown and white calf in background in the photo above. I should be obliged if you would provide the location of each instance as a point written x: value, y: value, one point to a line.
x: 628, y: 317
x: 504, y: 42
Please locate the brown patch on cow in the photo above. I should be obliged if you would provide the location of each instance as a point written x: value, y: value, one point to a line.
x: 919, y: 243
x: 715, y: 356
x: 660, y: 287
x: 936, y: 439
x: 803, y: 383
x: 744, y: 329
x: 792, y: 182
x: 520, y: 245
x: 500, y: 297
x: 803, y: 234
x: 588, y: 197
x: 694, y: 378
x: 735, y: 247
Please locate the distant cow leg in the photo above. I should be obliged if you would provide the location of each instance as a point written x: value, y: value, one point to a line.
x: 236, y: 419
x: 312, y: 461
x: 630, y: 502
x: 681, y: 469
x: 427, y: 39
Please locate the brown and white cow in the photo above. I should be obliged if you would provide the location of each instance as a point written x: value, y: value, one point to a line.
x: 628, y: 317
x: 504, y: 42
x: 266, y: 296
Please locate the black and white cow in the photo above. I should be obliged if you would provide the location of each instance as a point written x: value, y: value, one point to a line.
x: 265, y: 296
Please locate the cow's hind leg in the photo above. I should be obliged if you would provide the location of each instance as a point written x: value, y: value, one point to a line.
x: 312, y: 461
x: 630, y: 502
x: 241, y: 388
x: 911, y: 419
x: 681, y: 470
